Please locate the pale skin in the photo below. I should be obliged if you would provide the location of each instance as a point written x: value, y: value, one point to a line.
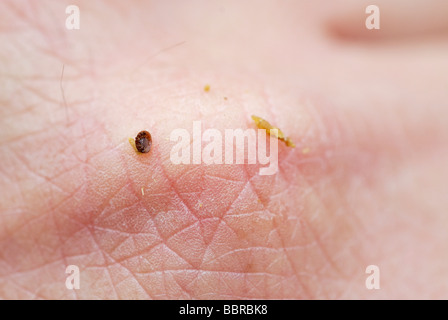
x: 365, y: 185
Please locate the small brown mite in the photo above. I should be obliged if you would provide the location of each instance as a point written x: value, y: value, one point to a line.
x: 143, y: 141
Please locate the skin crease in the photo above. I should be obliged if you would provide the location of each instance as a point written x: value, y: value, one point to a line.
x: 370, y: 110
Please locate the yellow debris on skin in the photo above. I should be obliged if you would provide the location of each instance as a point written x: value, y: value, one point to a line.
x: 132, y: 142
x: 289, y: 142
x: 305, y: 150
x: 263, y: 124
x: 207, y: 88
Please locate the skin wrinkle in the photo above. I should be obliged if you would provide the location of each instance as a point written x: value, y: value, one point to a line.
x: 289, y: 259
x: 173, y: 251
x: 305, y: 289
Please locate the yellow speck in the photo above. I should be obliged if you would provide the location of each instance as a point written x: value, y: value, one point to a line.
x: 200, y: 204
x: 207, y: 88
x: 143, y: 191
x: 132, y: 142
x: 263, y: 124
x: 289, y: 142
x: 225, y: 98
x: 305, y: 150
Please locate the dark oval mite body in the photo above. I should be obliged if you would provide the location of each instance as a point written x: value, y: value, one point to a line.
x: 143, y: 141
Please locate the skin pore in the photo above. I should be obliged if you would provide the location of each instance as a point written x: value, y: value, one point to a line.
x: 364, y: 185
